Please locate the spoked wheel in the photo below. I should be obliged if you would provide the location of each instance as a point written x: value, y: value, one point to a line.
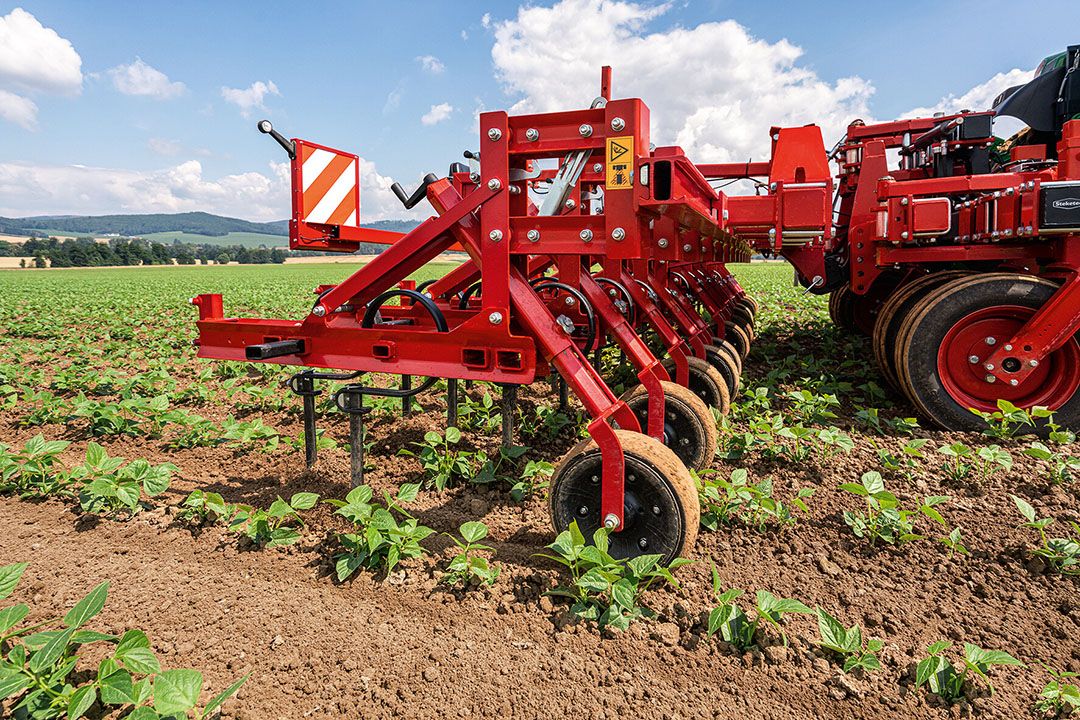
x: 706, y: 382
x: 689, y: 428
x: 892, y: 314
x: 947, y: 336
x: 661, y: 512
x: 722, y: 359
x: 738, y: 338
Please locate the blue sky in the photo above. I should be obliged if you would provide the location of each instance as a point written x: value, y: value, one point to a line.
x: 362, y: 75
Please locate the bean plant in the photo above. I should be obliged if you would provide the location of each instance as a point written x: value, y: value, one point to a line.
x: 947, y: 680
x: 379, y: 540
x: 1059, y: 697
x: 885, y: 520
x: 736, y: 500
x: 735, y: 627
x: 109, y: 487
x: 468, y: 567
x: 273, y: 527
x: 1063, y: 554
x: 847, y: 643
x: 47, y: 669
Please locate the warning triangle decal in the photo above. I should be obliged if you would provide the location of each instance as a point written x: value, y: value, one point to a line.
x: 616, y: 150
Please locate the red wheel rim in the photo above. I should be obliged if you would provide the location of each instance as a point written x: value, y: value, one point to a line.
x: 1051, y: 384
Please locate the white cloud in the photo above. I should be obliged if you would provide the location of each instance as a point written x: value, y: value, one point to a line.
x: 431, y: 64
x: 19, y: 110
x: 437, y: 114
x: 162, y: 146
x: 977, y: 98
x: 80, y: 190
x: 138, y: 78
x: 465, y: 35
x: 34, y: 57
x: 393, y: 100
x: 714, y: 88
x: 485, y: 20
x: 251, y: 98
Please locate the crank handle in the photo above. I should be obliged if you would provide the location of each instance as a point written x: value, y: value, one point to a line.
x: 409, y: 201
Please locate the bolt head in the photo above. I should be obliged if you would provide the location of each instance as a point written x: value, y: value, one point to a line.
x: 495, y: 318
x: 611, y: 521
x: 586, y: 235
x: 618, y: 234
x: 656, y: 510
x: 1014, y: 382
x: 687, y: 247
x: 533, y: 235
x: 582, y: 511
x: 318, y: 311
x: 989, y: 366
x: 532, y: 134
x: 585, y: 130
x: 495, y: 235
x: 494, y: 134
x: 643, y: 543
x: 597, y: 167
x: 569, y: 300
x: 1033, y: 363
x: 570, y: 204
x: 991, y: 378
x: 1008, y: 348
x: 474, y: 178
x: 494, y: 184
x: 662, y: 242
x: 990, y: 341
x: 973, y: 359
x: 617, y: 124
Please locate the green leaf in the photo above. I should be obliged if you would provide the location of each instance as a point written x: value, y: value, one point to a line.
x: 118, y: 688
x: 88, y: 607
x: 9, y: 578
x: 854, y: 488
x: 80, y: 702
x: 132, y: 639
x: 11, y: 616
x: 177, y: 691
x: 453, y: 435
x: 13, y: 685
x: 938, y: 647
x: 51, y: 651
x: 140, y: 660
x: 219, y: 700
x: 594, y: 581
x: 833, y: 634
x: 1024, y: 507
x: 624, y: 592
x: 143, y: 713
x: 407, y: 492
x: 303, y: 500
x: 473, y: 531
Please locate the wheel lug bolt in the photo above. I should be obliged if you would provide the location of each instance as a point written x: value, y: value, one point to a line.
x: 991, y: 341
x: 1033, y: 363
x: 1014, y: 382
x: 643, y: 543
x: 656, y: 510
x: 684, y: 442
x: 595, y: 479
x: 973, y: 359
x: 991, y: 378
x: 989, y: 366
x: 582, y: 511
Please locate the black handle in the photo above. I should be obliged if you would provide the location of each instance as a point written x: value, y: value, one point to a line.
x: 419, y: 194
x: 268, y: 129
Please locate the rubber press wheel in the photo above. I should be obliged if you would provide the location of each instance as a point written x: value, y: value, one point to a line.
x: 892, y: 314
x: 660, y: 507
x: 947, y: 329
x: 706, y: 382
x: 842, y: 308
x: 722, y: 359
x: 689, y: 428
x: 727, y: 348
x: 738, y: 337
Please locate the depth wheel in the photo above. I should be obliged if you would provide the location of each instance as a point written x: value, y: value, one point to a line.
x: 689, y: 427
x: 738, y: 338
x: 751, y: 304
x: 729, y: 349
x: 892, y: 314
x: 706, y: 382
x: 743, y: 318
x: 721, y: 359
x: 949, y: 327
x: 842, y: 308
x: 660, y: 508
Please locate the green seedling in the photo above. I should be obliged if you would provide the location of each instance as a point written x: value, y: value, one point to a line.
x: 468, y: 568
x: 735, y: 627
x: 379, y: 540
x: 34, y: 471
x: 534, y: 479
x: 109, y: 487
x: 955, y: 542
x: 601, y: 588
x: 726, y: 501
x: 1063, y: 468
x: 1008, y: 420
x: 200, y: 506
x: 1063, y: 554
x: 1059, y: 697
x: 442, y: 462
x: 270, y: 528
x: 847, y: 643
x: 884, y: 519
x: 958, y: 463
x: 947, y: 680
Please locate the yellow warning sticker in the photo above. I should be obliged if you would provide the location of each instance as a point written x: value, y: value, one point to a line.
x: 620, y: 163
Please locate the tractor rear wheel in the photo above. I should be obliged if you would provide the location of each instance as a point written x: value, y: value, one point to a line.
x: 892, y: 314
x: 943, y: 343
x: 661, y: 513
x: 689, y: 427
x: 706, y: 382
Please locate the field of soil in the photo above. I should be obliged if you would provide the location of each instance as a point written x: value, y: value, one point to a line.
x: 406, y: 646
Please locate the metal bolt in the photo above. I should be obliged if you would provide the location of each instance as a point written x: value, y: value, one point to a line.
x: 662, y: 242
x: 494, y: 184
x: 495, y: 235
x: 570, y: 204
x: 903, y: 201
x: 643, y: 543
x: 597, y: 167
x: 533, y: 235
x: 474, y: 178
x: 1008, y: 348
x: 618, y: 234
x: 318, y: 311
x: 904, y: 235
x: 585, y: 130
x: 991, y: 378
x: 772, y: 232
x: 617, y: 124
x: 656, y: 510
x: 532, y: 134
x: 989, y: 366
x: 1033, y: 363
x: 687, y: 247
x: 1014, y: 382
x: 586, y: 235
x: 611, y: 521
x: 495, y: 318
x: 973, y: 359
x: 494, y: 134
x: 569, y: 300
x: 582, y: 511
x: 990, y: 341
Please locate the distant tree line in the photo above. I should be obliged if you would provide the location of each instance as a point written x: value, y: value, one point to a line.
x: 87, y: 252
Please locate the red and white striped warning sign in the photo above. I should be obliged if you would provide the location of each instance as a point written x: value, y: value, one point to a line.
x: 331, y: 187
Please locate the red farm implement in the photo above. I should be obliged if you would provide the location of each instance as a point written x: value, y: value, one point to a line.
x: 958, y: 255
